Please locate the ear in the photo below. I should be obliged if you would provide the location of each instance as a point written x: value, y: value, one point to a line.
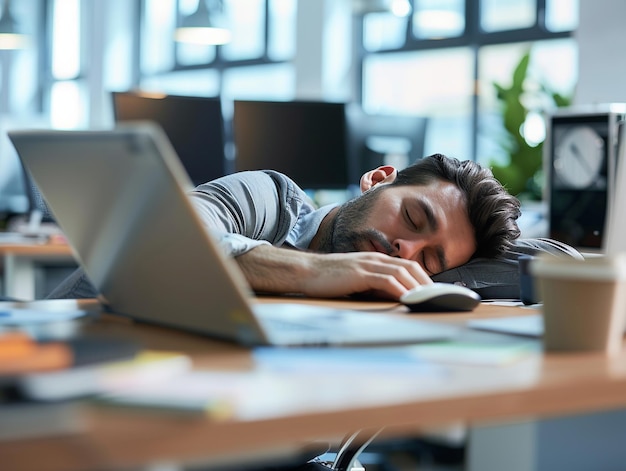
x: 378, y: 176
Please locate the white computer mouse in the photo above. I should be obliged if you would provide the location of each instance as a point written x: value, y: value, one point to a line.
x: 440, y: 297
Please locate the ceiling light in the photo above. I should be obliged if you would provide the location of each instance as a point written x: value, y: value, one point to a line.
x: 199, y: 28
x: 10, y: 36
x: 399, y: 8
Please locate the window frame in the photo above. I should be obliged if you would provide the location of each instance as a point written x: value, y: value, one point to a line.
x: 473, y: 38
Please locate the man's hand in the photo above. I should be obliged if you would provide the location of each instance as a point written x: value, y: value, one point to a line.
x: 279, y: 270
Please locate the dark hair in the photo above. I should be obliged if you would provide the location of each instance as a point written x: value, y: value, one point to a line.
x: 492, y: 210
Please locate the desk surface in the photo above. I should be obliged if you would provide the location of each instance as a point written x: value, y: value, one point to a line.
x: 537, y: 385
x: 36, y: 250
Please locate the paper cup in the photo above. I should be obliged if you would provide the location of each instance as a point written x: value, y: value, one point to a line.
x: 584, y: 302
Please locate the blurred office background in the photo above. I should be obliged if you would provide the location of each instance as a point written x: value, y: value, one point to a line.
x: 432, y: 59
x: 437, y: 59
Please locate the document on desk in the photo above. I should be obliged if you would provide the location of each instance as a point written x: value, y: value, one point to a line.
x: 12, y: 316
x: 45, y: 319
x: 425, y: 360
x: 289, y: 380
x: 526, y: 326
x: 345, y: 361
x: 123, y: 368
x: 255, y: 395
x: 474, y: 353
x: 292, y: 380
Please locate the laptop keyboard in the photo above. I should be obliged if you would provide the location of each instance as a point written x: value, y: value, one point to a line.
x: 301, y: 324
x: 286, y: 324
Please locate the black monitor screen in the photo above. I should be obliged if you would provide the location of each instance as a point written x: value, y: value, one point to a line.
x: 305, y: 140
x: 384, y: 139
x: 194, y: 126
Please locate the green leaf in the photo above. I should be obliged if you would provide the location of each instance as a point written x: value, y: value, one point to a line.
x: 522, y: 176
x: 519, y: 75
x: 560, y: 100
x: 510, y: 177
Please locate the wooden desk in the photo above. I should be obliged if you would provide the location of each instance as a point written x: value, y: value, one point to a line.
x: 537, y: 386
x: 20, y: 262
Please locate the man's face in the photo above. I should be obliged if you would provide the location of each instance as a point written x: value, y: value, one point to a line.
x: 428, y: 224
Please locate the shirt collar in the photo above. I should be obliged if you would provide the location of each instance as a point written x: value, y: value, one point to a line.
x: 306, y: 227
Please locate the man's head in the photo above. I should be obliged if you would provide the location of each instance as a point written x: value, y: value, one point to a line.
x: 439, y: 212
x: 493, y: 212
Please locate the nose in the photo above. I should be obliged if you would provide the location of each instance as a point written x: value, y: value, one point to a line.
x: 409, y: 249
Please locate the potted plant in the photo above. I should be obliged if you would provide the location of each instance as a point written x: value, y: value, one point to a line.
x: 522, y: 174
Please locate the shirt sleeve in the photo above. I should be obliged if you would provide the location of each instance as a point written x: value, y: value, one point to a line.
x: 248, y: 209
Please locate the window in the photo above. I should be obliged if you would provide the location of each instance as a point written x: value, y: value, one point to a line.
x: 433, y: 83
x: 443, y: 59
x: 68, y: 107
x: 434, y: 19
x: 247, y: 22
x: 263, y: 34
x: 561, y: 15
x: 503, y: 15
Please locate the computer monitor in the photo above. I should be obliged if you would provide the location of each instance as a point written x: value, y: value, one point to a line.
x: 13, y: 195
x: 19, y: 196
x: 306, y: 140
x: 385, y: 139
x: 580, y: 154
x: 194, y: 125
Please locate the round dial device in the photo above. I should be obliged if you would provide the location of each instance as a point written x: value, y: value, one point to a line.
x: 578, y: 157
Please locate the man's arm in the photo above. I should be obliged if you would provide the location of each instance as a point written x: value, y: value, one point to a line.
x: 279, y: 270
x: 248, y: 212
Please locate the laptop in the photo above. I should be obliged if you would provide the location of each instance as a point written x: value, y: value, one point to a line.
x: 120, y: 198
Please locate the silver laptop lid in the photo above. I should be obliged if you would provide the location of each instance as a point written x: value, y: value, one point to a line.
x: 119, y: 197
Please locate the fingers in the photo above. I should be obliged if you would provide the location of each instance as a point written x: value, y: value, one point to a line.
x: 342, y: 274
x: 383, y: 269
x: 392, y: 281
x: 414, y: 270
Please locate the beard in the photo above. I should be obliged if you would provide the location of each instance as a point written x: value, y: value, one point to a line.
x: 348, y: 232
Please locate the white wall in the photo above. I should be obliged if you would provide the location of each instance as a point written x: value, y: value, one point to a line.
x: 601, y: 40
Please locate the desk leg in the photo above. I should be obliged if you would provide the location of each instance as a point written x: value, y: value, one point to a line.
x: 19, y: 277
x: 504, y: 446
x: 574, y: 443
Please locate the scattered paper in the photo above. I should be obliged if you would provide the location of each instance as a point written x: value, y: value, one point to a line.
x: 23, y: 317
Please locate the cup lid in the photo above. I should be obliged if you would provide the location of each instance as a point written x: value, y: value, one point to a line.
x: 594, y: 268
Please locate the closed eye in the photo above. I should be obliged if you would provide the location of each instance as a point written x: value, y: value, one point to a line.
x: 411, y: 222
